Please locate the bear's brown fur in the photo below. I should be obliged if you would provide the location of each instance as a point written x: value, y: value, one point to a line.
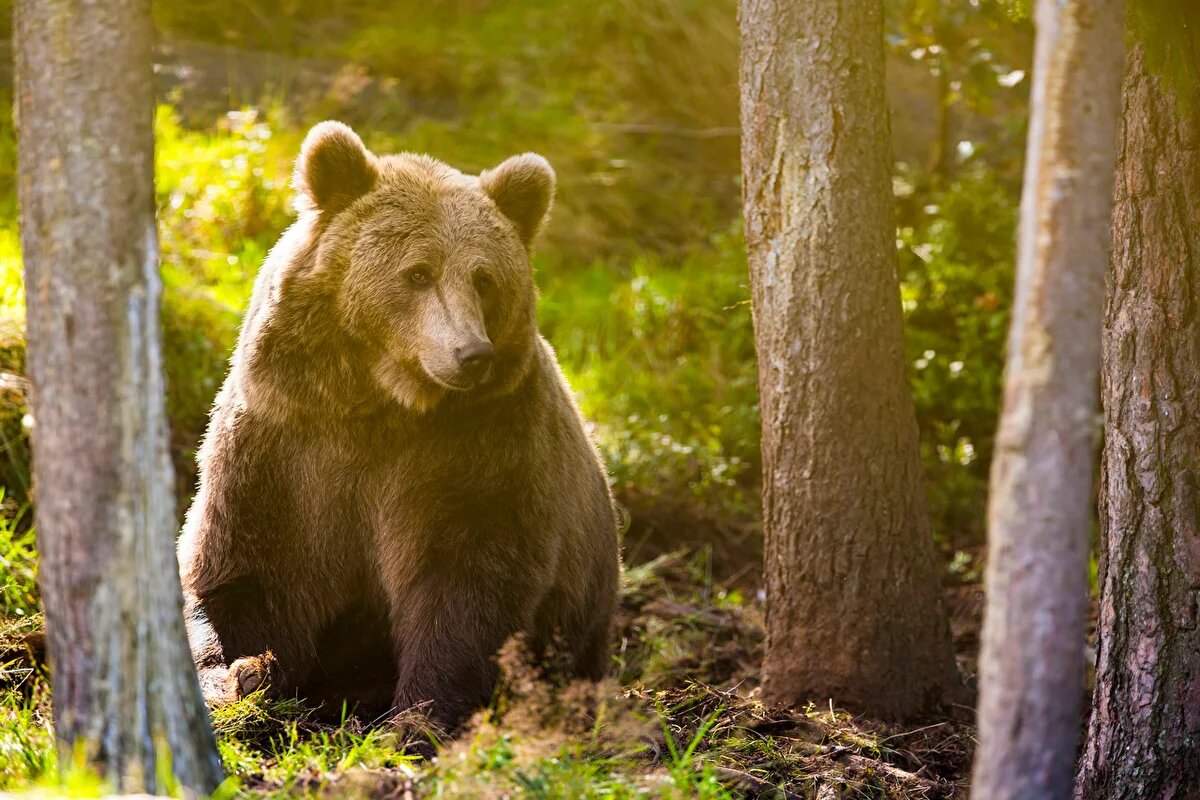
x: 396, y: 478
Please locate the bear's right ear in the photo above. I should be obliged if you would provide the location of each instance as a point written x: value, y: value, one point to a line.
x: 522, y: 187
x: 334, y: 169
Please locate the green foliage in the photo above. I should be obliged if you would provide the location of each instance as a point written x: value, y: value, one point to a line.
x: 222, y: 202
x: 495, y: 766
x: 662, y: 357
x: 612, y: 92
x: 27, y: 749
x: 14, y: 442
x: 18, y: 565
x: 1017, y: 9
x: 297, y: 757
x: 198, y: 336
x: 8, y: 162
x: 682, y: 759
x: 956, y: 263
x: 1169, y: 30
x: 222, y: 199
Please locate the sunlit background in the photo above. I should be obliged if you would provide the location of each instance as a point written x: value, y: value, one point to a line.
x: 644, y: 285
x: 642, y: 272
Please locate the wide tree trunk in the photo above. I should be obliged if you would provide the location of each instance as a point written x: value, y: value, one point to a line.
x: 854, y: 604
x: 125, y: 692
x: 1040, y: 507
x: 1144, y: 736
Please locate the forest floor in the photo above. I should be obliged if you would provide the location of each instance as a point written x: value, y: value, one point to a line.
x: 680, y: 718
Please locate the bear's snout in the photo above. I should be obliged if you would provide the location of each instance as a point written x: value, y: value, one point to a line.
x: 475, y: 360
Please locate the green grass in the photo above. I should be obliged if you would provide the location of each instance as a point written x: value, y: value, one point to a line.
x: 18, y: 567
x: 27, y: 755
x: 680, y: 719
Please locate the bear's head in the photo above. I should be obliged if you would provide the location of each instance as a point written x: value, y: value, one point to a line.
x: 429, y: 267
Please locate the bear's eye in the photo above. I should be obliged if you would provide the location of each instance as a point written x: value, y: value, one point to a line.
x: 418, y: 276
x: 483, y: 283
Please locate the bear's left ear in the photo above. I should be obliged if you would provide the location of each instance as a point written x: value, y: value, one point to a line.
x: 334, y: 168
x: 523, y: 189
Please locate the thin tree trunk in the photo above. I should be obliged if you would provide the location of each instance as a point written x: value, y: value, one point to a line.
x: 1039, y: 514
x: 1144, y: 736
x: 854, y: 604
x: 125, y: 692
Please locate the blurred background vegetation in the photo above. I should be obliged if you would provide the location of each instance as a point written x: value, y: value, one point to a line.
x: 643, y: 276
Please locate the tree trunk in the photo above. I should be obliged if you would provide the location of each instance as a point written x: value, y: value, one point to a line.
x: 854, y: 604
x: 125, y: 692
x: 1040, y: 509
x: 1144, y: 736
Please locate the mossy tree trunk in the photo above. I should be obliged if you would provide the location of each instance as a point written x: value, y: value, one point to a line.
x: 1144, y: 735
x: 125, y: 693
x: 854, y: 605
x: 1040, y: 506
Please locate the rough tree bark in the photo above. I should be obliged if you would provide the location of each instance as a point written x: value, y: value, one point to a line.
x: 854, y: 605
x: 1144, y: 735
x: 125, y: 692
x: 1039, y: 513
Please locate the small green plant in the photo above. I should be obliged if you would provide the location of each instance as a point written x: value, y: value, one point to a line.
x: 661, y: 354
x: 686, y: 769
x: 27, y: 749
x: 18, y: 566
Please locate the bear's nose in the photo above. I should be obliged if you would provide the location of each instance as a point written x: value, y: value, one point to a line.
x: 475, y: 358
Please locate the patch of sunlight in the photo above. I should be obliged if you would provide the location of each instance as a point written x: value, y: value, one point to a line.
x: 12, y: 280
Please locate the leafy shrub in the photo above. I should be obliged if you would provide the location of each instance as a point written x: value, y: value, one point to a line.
x: 222, y: 202
x: 661, y: 354
x: 18, y: 565
x: 222, y: 199
x: 956, y: 259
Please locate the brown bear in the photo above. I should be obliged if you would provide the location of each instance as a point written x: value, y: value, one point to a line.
x: 396, y: 478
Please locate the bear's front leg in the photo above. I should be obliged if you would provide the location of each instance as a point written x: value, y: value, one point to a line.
x: 447, y: 632
x: 243, y: 641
